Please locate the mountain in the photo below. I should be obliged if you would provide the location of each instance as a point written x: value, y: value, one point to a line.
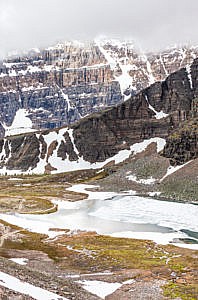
x: 54, y: 87
x: 152, y: 115
x: 51, y: 227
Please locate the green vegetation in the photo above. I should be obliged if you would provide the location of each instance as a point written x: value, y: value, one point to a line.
x: 117, y: 253
x: 33, y: 193
x: 147, y: 169
x: 181, y: 291
x: 89, y: 252
x: 98, y: 176
x: 29, y: 204
x: 189, y: 127
x: 184, y: 189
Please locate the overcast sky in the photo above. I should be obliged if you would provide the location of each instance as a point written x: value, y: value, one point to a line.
x: 153, y: 23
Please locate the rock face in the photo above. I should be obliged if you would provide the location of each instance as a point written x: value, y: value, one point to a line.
x: 57, y: 86
x: 182, y: 145
x: 144, y: 68
x: 92, y: 142
x: 60, y: 85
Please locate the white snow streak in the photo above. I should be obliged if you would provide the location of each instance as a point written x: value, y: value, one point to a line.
x: 19, y: 286
x: 70, y: 132
x: 188, y: 70
x: 158, y: 115
x: 162, y: 62
x: 149, y: 70
x: 173, y: 169
x: 107, y: 56
x: 65, y: 96
x: 153, y: 194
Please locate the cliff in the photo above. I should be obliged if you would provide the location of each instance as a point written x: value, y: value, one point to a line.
x: 182, y: 145
x: 103, y: 137
x: 60, y: 85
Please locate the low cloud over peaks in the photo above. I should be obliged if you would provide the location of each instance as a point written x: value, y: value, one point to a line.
x: 155, y: 24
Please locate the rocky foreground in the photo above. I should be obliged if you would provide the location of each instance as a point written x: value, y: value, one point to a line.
x: 141, y: 269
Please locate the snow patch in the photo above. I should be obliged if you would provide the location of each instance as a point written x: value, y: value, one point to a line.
x: 150, y: 180
x: 100, y: 288
x: 33, y: 69
x: 129, y: 281
x: 162, y: 62
x: 139, y: 147
x: 125, y: 80
x: 157, y: 237
x: 21, y: 124
x: 22, y: 287
x: 67, y: 165
x: 153, y: 194
x: 12, y: 73
x: 3, y: 75
x: 14, y: 178
x: 20, y: 261
x: 105, y: 273
x: 86, y: 189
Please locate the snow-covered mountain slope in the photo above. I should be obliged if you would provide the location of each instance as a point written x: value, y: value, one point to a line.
x: 57, y: 86
x: 61, y: 84
x: 109, y: 136
x: 135, y: 70
x: 55, y: 161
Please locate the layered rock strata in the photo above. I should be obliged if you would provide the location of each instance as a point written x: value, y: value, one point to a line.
x: 60, y: 85
x: 155, y: 112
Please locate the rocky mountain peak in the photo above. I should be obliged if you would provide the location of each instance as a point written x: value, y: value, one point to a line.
x: 61, y: 84
x: 111, y: 136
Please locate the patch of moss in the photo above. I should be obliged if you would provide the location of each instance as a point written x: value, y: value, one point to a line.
x: 89, y: 252
x: 53, y: 185
x: 98, y: 176
x: 180, y: 189
x: 181, y: 291
x: 14, y: 227
x: 107, y: 252
x: 31, y: 241
x: 29, y: 204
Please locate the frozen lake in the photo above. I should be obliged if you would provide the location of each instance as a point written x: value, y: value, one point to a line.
x: 119, y: 215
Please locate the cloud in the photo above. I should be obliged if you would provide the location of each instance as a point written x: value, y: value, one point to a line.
x: 155, y: 24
